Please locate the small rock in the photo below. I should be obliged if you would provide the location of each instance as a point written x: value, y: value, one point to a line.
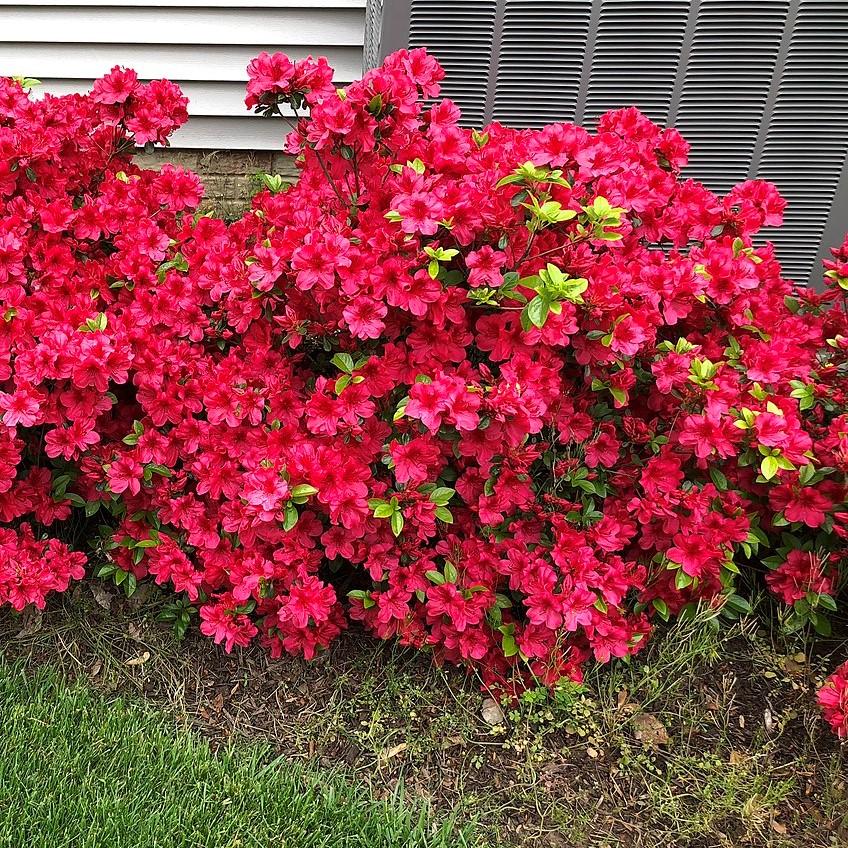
x: 649, y: 730
x: 492, y: 713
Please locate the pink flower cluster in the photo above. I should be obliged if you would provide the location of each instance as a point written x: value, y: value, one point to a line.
x: 508, y: 395
x: 833, y: 699
x: 31, y: 568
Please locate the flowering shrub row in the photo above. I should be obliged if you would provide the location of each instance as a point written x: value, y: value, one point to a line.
x: 511, y: 395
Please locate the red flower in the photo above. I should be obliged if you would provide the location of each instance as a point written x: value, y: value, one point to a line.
x: 116, y: 87
x: 833, y: 699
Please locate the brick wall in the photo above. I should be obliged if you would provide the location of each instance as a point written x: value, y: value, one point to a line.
x: 229, y: 175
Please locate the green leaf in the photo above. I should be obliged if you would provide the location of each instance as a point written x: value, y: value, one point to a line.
x: 435, y: 577
x: 821, y: 623
x: 450, y: 572
x: 442, y: 495
x: 358, y: 594
x: 682, y: 579
x: 619, y: 395
x: 303, y: 490
x: 536, y: 312
x: 509, y: 645
x: 827, y: 602
x: 444, y: 514
x: 769, y: 467
x: 384, y: 511
x: 738, y: 604
x: 731, y: 566
x: 344, y: 362
x: 509, y: 180
x: 719, y: 479
x: 342, y: 383
x: 397, y: 522
x: 290, y: 517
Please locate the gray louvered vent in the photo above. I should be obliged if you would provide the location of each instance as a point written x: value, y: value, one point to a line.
x: 726, y: 86
x: 760, y: 89
x: 528, y: 31
x: 805, y: 145
x: 460, y: 35
x: 636, y: 53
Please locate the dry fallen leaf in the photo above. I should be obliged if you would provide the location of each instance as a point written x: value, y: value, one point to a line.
x: 141, y: 659
x: 452, y: 741
x: 135, y: 632
x: 737, y: 758
x: 492, y: 713
x: 791, y: 667
x: 103, y: 597
x: 394, y: 751
x: 32, y: 620
x: 649, y: 730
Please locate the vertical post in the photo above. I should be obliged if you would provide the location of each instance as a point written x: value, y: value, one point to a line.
x: 685, y: 52
x: 394, y: 34
x: 583, y: 93
x: 494, y: 61
x: 833, y: 231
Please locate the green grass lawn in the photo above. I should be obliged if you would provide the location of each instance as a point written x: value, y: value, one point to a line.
x: 78, y: 770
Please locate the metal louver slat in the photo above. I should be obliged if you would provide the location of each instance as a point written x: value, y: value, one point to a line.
x: 534, y: 84
x: 805, y: 145
x: 460, y: 35
x: 726, y: 86
x: 637, y: 52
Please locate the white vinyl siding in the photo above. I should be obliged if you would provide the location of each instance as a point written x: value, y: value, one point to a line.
x: 204, y: 46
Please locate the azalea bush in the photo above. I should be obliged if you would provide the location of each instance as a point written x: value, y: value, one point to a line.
x: 513, y: 396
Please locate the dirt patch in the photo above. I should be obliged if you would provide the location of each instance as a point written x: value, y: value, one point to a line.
x: 711, y: 739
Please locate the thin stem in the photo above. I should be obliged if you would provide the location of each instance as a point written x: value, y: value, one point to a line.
x: 317, y: 156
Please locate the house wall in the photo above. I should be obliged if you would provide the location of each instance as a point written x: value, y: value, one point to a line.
x: 204, y: 45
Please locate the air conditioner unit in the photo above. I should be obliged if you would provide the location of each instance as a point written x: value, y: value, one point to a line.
x: 759, y: 88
